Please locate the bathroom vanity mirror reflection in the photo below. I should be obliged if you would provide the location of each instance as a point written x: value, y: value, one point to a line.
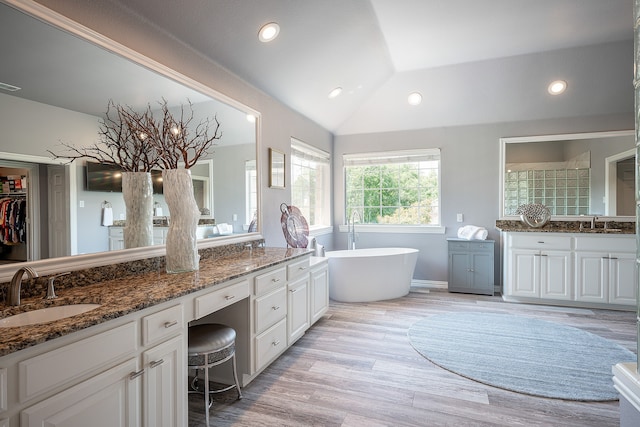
x: 573, y: 174
x: 59, y: 85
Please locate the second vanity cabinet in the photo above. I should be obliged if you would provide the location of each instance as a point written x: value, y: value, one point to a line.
x: 131, y: 371
x: 580, y: 269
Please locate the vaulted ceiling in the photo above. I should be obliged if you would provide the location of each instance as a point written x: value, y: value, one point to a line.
x: 473, y: 61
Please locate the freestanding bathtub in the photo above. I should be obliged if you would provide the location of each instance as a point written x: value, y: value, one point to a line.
x: 372, y: 274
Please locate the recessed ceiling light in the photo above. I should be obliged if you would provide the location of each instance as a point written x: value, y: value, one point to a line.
x: 557, y: 87
x: 268, y: 32
x: 414, y: 98
x: 335, y: 92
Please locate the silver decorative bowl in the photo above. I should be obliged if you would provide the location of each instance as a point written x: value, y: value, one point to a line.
x: 534, y: 215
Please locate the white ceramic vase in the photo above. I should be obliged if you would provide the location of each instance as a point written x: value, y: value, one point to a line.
x: 182, y: 250
x: 137, y: 192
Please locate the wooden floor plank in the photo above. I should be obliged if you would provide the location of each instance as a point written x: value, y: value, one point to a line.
x: 356, y: 367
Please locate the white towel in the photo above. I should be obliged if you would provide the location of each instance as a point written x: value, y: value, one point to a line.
x: 472, y: 232
x: 107, y: 217
x: 225, y: 229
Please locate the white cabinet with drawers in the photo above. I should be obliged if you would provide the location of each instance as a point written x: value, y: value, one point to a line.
x: 576, y: 268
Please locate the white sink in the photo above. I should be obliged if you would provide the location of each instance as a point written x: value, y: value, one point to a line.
x: 44, y: 315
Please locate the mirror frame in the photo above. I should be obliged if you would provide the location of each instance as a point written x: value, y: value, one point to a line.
x: 77, y: 262
x: 550, y: 138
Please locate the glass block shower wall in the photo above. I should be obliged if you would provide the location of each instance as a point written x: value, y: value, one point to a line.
x: 563, y: 191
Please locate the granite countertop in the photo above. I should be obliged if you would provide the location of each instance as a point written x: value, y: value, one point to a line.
x: 119, y: 297
x: 613, y: 227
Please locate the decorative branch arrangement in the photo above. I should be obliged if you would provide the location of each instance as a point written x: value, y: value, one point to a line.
x: 120, y: 142
x: 136, y: 142
x: 174, y: 141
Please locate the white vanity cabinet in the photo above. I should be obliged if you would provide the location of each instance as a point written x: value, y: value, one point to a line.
x: 297, y: 299
x: 606, y: 270
x: 575, y: 268
x: 538, y: 266
x: 116, y: 238
x: 318, y: 289
x: 269, y: 301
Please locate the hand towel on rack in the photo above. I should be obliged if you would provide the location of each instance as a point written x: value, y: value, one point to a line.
x: 472, y: 232
x: 107, y: 216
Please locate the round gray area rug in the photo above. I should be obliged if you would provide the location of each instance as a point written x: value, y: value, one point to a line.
x: 521, y: 354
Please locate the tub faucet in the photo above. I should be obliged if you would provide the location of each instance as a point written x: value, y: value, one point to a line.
x: 352, y: 230
x: 13, y: 297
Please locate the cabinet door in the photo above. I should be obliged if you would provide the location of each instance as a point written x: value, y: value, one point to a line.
x: 164, y: 385
x: 110, y: 399
x: 319, y: 293
x: 459, y: 271
x: 524, y: 273
x: 592, y: 276
x: 482, y: 273
x: 555, y: 275
x: 297, y: 308
x: 622, y: 279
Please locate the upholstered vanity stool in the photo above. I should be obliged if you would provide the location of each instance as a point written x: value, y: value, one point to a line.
x: 211, y: 344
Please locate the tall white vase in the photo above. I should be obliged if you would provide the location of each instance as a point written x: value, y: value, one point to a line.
x: 182, y: 250
x: 137, y: 192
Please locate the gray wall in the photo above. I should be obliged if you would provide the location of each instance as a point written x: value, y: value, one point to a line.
x: 469, y: 181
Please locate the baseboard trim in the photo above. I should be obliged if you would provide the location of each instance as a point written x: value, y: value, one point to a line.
x: 428, y: 284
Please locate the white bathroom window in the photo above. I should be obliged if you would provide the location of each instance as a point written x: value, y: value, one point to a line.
x: 393, y: 187
x: 310, y: 183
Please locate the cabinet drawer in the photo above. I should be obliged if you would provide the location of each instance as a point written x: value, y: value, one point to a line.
x: 66, y: 364
x: 116, y: 232
x: 484, y: 246
x: 270, y: 308
x: 214, y: 301
x: 297, y: 269
x: 269, y: 281
x: 606, y: 243
x: 162, y: 324
x: 270, y: 343
x: 539, y: 241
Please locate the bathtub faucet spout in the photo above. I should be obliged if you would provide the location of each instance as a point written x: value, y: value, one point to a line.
x: 351, y: 229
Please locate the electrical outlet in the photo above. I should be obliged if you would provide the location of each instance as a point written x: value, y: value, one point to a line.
x: 81, y: 203
x: 460, y: 217
x: 235, y: 217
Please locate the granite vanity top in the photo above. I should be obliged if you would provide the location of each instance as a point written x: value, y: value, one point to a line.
x: 119, y: 297
x: 613, y: 227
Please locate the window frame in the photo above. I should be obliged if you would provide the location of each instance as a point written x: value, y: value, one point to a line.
x: 300, y: 149
x: 394, y: 157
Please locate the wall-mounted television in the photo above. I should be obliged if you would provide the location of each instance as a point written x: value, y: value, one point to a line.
x: 108, y: 178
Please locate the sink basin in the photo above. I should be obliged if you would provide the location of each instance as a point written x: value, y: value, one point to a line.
x: 44, y: 315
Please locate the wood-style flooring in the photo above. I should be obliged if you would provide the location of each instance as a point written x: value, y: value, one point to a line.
x: 356, y: 367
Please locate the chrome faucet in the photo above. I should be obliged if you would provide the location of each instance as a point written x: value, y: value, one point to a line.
x: 351, y: 231
x: 13, y: 297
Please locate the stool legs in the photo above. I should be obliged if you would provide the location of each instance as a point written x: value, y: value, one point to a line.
x: 207, y: 391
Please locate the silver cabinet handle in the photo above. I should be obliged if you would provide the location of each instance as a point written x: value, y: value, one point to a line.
x: 293, y: 290
x: 134, y: 375
x: 302, y: 268
x: 275, y: 307
x: 170, y: 324
x: 275, y: 280
x: 275, y: 343
x: 156, y: 363
x: 229, y: 297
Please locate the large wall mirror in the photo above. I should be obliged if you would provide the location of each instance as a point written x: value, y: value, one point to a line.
x: 573, y: 174
x: 65, y: 80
